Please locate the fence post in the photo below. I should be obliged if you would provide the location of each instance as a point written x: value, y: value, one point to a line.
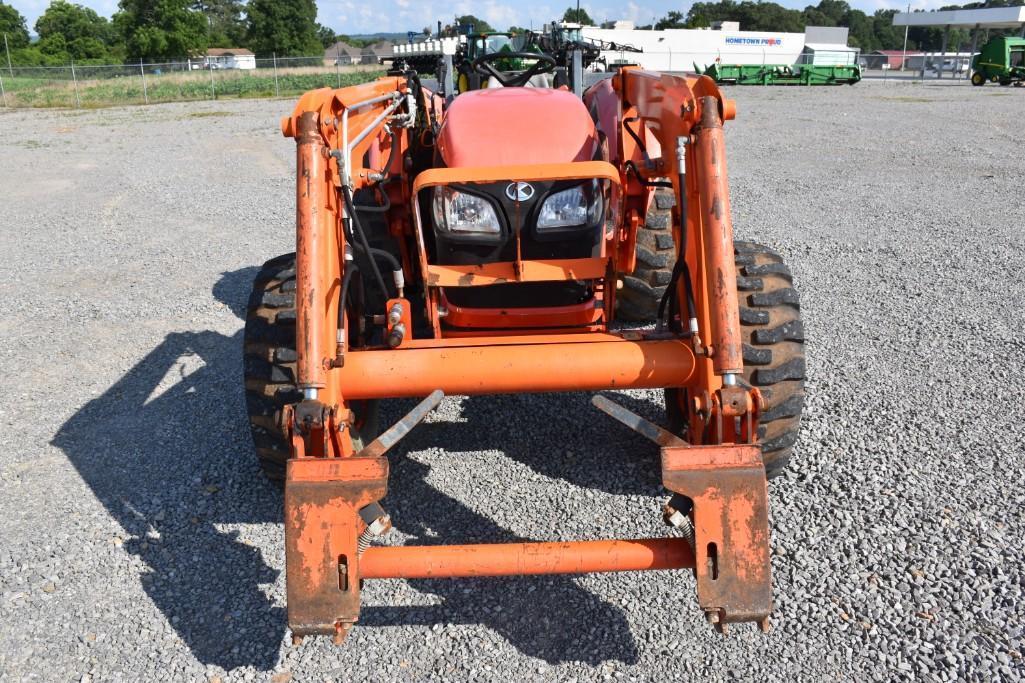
x: 7, y: 49
x: 213, y: 91
x: 3, y: 93
x: 74, y: 78
x: 338, y: 75
x: 277, y: 92
x: 142, y: 72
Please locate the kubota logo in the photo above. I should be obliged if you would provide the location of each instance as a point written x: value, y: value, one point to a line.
x: 519, y: 192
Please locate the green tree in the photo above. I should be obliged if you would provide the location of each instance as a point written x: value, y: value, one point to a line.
x: 861, y: 31
x: 13, y: 25
x: 888, y: 36
x: 577, y: 16
x: 672, y: 20
x: 283, y: 27
x: 158, y: 30
x: 74, y: 32
x: 479, y: 25
x: 753, y: 16
x: 827, y: 13
x: 225, y: 27
x: 326, y: 36
x: 73, y: 21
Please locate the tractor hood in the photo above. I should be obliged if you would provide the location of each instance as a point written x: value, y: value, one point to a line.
x: 507, y: 126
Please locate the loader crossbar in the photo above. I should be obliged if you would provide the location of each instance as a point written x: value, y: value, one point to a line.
x: 536, y: 364
x: 525, y: 559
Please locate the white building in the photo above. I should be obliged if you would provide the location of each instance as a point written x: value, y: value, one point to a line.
x: 229, y: 58
x: 682, y: 49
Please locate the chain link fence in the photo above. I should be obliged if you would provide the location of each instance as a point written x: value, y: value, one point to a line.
x: 87, y: 86
x: 917, y: 66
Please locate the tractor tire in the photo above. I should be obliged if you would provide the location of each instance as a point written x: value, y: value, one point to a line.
x: 269, y: 366
x: 642, y: 289
x: 268, y: 361
x: 978, y: 79
x: 773, y: 337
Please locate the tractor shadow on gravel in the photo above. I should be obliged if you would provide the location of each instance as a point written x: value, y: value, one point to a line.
x: 166, y: 450
x: 552, y: 618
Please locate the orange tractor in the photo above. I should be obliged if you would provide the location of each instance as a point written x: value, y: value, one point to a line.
x: 485, y: 242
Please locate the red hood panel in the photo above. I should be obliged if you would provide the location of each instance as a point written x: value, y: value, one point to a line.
x: 507, y: 126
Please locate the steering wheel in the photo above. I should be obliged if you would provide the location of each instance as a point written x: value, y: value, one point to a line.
x: 543, y: 64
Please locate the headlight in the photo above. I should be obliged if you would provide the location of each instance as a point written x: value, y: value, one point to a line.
x: 456, y: 211
x: 577, y: 206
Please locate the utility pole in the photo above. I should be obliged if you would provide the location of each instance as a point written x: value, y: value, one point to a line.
x: 8, y: 50
x: 905, y: 57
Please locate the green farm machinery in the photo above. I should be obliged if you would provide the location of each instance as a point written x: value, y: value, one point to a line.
x: 782, y: 74
x: 1001, y: 60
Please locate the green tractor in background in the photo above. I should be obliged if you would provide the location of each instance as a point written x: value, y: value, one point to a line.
x: 1001, y: 60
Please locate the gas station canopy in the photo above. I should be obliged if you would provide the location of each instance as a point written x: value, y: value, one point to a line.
x: 993, y: 17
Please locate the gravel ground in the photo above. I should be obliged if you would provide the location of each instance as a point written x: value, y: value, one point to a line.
x: 140, y: 541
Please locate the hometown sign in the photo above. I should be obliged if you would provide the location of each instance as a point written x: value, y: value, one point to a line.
x: 741, y: 40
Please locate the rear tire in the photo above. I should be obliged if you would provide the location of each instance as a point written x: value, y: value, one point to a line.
x: 269, y: 362
x: 642, y: 289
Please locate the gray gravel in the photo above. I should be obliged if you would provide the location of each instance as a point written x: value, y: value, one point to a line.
x: 139, y: 541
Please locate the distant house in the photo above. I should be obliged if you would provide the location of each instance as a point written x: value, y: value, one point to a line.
x: 376, y: 53
x: 229, y: 58
x: 887, y: 59
x: 342, y: 54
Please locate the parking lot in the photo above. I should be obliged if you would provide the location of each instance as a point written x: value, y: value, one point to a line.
x: 140, y: 542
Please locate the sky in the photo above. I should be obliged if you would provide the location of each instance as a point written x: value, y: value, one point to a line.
x: 359, y: 16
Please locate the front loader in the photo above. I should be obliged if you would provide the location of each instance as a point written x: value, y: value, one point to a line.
x: 479, y: 243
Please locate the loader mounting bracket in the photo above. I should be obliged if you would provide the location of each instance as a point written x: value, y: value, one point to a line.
x: 726, y: 484
x: 731, y: 528
x: 322, y: 500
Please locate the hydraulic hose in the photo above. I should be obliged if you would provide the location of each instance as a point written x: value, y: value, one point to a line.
x: 680, y: 268
x: 350, y: 269
x: 396, y: 268
x: 637, y: 139
x: 646, y: 183
x: 376, y: 208
x: 387, y: 256
x: 385, y: 174
x: 358, y: 229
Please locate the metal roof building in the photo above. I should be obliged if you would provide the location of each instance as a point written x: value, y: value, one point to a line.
x: 974, y: 19
x: 992, y: 17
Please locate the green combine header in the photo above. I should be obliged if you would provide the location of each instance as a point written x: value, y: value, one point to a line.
x: 782, y: 74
